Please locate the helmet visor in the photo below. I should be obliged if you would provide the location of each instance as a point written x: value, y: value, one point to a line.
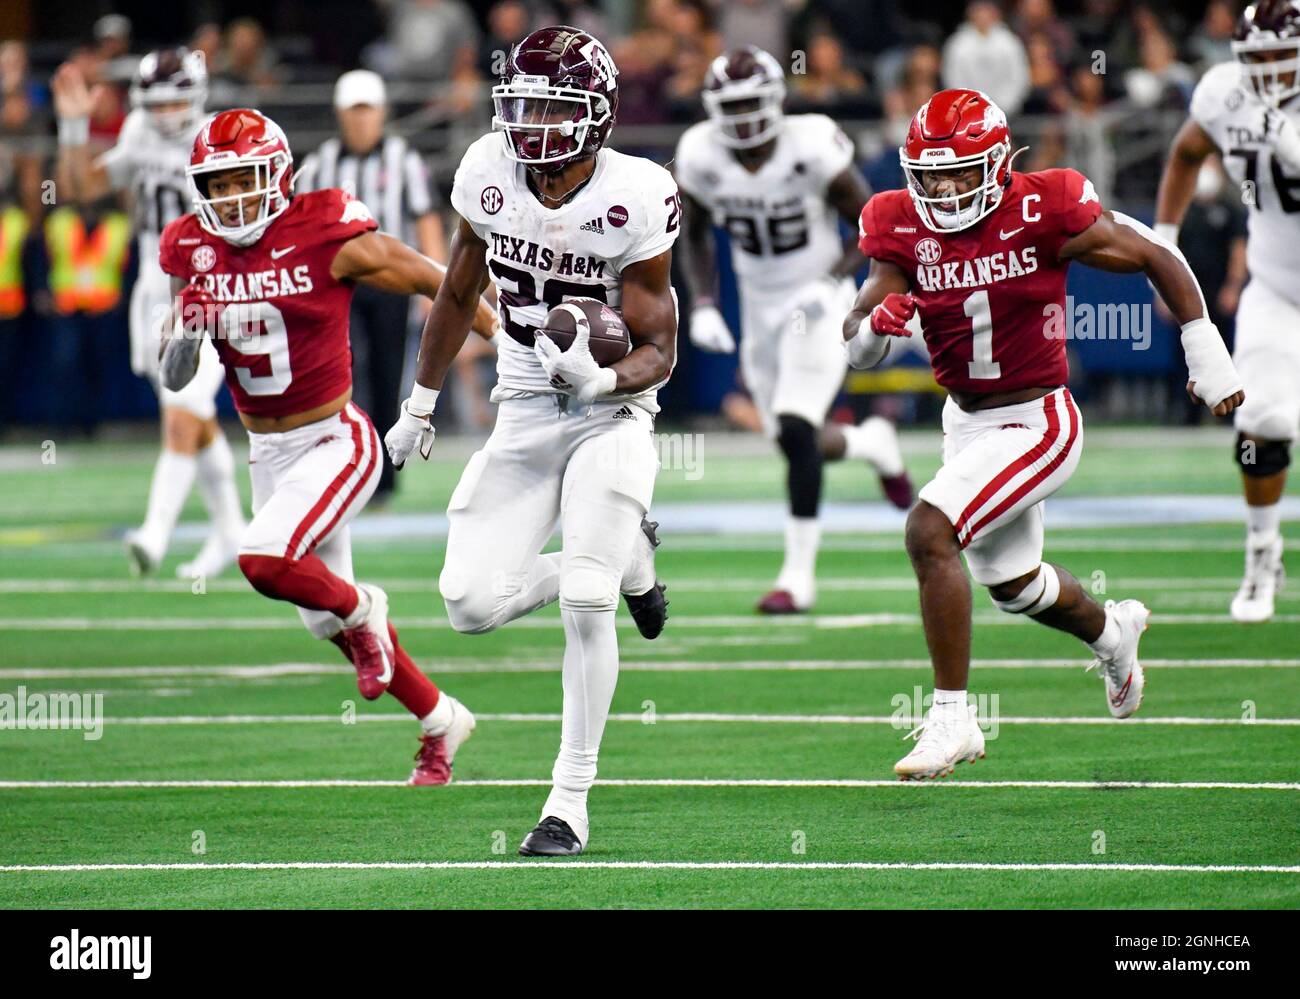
x: 546, y: 126
x: 956, y: 193
x: 746, y: 120
x: 1270, y: 68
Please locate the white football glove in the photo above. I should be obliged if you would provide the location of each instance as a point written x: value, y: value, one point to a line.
x: 709, y: 331
x: 1281, y: 133
x: 410, y: 430
x: 575, y: 371
x: 1209, y: 365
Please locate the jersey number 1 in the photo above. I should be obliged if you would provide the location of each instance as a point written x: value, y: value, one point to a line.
x: 982, y: 364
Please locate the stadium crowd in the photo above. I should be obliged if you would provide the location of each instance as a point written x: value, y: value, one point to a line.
x: 1071, y: 74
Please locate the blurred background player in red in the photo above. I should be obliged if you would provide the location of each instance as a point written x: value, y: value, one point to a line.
x: 268, y: 276
x: 981, y: 253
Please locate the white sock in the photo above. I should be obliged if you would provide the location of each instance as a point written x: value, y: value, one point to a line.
x: 437, y: 721
x: 590, y: 674
x: 173, y: 475
x: 948, y: 702
x: 1108, y: 641
x: 803, y: 536
x: 216, y: 475
x: 875, y: 441
x: 1263, y: 524
x: 354, y: 619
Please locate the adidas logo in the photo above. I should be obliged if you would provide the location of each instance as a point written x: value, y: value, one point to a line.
x: 624, y: 414
x: 596, y: 225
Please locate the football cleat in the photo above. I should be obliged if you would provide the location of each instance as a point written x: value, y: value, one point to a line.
x: 551, y: 838
x: 1125, y: 678
x: 649, y: 609
x: 898, y: 490
x: 141, y: 558
x: 434, y: 758
x: 884, y: 453
x: 779, y: 602
x: 371, y: 648
x: 946, y: 739
x: 1264, y: 577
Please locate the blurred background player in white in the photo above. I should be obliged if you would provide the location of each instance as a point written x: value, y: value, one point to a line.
x: 1248, y: 110
x: 268, y: 275
x: 780, y: 185
x: 550, y: 214
x: 150, y: 157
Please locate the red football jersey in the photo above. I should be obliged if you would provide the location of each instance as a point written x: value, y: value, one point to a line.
x: 991, y: 298
x: 284, y: 334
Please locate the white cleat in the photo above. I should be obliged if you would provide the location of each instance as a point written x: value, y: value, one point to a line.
x: 215, y: 557
x: 1264, y: 577
x: 1125, y: 678
x: 141, y: 557
x: 946, y: 739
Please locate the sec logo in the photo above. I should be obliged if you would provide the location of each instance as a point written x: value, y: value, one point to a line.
x: 491, y: 199
x: 204, y: 258
x: 928, y: 250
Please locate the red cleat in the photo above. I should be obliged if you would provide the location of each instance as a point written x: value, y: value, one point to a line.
x: 370, y: 647
x: 897, y: 489
x: 779, y: 602
x: 434, y: 759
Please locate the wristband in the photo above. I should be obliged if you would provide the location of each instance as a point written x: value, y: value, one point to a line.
x: 422, y: 400
x: 74, y: 131
x: 1167, y: 231
x: 606, y: 382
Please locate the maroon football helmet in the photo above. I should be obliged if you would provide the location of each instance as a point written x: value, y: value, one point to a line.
x: 559, y: 98
x: 743, y: 93
x: 1267, y: 44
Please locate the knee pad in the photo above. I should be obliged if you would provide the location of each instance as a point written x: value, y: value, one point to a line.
x: 796, y: 437
x: 1039, y: 594
x: 264, y: 572
x: 589, y: 589
x: 1260, y: 459
x: 469, y: 609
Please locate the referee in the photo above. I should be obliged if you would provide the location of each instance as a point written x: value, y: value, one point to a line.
x: 391, y: 180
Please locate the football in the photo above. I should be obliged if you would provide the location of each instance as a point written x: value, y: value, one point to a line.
x: 609, y: 337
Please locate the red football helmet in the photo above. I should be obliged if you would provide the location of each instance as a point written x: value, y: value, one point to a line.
x: 559, y: 99
x: 233, y: 140
x: 956, y: 130
x: 1267, y: 44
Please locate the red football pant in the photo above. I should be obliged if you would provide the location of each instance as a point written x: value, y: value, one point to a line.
x: 306, y: 582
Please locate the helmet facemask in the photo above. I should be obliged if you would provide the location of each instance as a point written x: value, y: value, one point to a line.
x: 952, y: 211
x: 1270, y: 67
x: 172, y: 122
x: 546, y: 126
x: 269, y: 173
x: 747, y: 114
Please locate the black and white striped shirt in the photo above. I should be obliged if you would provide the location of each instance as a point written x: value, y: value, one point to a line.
x: 391, y: 180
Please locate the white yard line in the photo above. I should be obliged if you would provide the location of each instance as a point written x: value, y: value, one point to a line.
x: 439, y: 668
x: 987, y: 619
x: 705, y: 717
x: 1077, y: 785
x: 651, y: 865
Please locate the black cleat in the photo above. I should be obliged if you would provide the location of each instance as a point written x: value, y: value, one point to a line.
x: 551, y: 838
x: 650, y: 609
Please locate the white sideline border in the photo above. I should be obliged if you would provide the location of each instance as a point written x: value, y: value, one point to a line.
x: 652, y: 865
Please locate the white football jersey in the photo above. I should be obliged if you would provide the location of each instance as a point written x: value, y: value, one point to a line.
x: 540, y: 257
x: 783, y: 231
x: 1233, y: 117
x: 152, y: 166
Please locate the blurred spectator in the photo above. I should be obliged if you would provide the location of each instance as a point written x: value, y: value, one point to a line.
x: 646, y: 62
x: 764, y: 23
x: 245, y: 58
x: 578, y: 13
x: 828, y: 82
x: 917, y: 84
x: 508, y: 23
x: 1047, y: 90
x: 1161, y: 80
x: 222, y: 93
x: 1088, y: 145
x: 429, y: 40
x: 1038, y: 17
x: 698, y: 42
x: 1212, y: 42
x: 113, y: 46
x: 109, y: 98
x: 983, y: 54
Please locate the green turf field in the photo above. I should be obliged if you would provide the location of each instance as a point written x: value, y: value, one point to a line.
x: 748, y: 762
